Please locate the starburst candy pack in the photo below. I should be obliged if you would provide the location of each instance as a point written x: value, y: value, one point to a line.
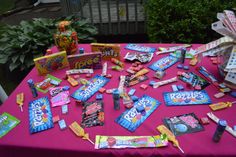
x: 49, y: 63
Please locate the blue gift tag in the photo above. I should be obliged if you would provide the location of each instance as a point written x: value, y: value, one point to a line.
x: 88, y: 90
x: 40, y: 115
x: 186, y: 98
x: 164, y: 63
x: 140, y: 48
x: 132, y: 119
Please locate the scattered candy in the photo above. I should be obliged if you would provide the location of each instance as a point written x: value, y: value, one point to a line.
x: 174, y: 88
x: 99, y: 97
x: 134, y: 98
x: 151, y: 83
x: 225, y: 90
x: 62, y: 124
x: 20, y: 100
x: 102, y: 90
x: 79, y: 131
x: 222, y: 85
x: 88, y: 75
x: 117, y: 62
x: 140, y: 108
x: 129, y: 105
x: 64, y: 109
x: 219, y: 95
x: 144, y: 86
x: 72, y: 81
x: 139, y: 73
x: 180, y: 87
x: 117, y: 68
x: 109, y: 91
x: 204, y: 120
x: 131, y: 92
x: 108, y: 76
x: 186, y: 67
x: 233, y: 94
x: 78, y: 102
x: 130, y: 71
x: 55, y: 119
x: 221, y: 105
x: 234, y: 127
x: 180, y: 66
x: 159, y: 74
x: 81, y: 50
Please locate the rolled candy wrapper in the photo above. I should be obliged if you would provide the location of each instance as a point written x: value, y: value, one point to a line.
x: 157, y: 84
x: 117, y: 62
x: 103, y: 142
x: 139, y: 73
x: 104, y: 69
x: 79, y: 71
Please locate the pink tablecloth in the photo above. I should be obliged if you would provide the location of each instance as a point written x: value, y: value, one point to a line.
x: 19, y: 141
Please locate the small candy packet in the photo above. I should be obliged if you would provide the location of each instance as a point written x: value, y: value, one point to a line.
x: 132, y: 119
x: 183, y: 124
x: 194, y: 80
x: 139, y: 79
x: 140, y: 48
x: 164, y: 63
x: 141, y: 57
x: 60, y: 99
x: 92, y: 114
x: 103, y: 142
x: 7, y: 123
x: 88, y: 90
x: 186, y: 98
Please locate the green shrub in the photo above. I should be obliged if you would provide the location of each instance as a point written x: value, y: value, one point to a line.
x: 183, y: 21
x: 30, y: 39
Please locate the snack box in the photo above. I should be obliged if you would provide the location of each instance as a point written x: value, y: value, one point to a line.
x: 108, y: 50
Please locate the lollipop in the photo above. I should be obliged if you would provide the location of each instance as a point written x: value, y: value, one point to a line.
x: 79, y: 131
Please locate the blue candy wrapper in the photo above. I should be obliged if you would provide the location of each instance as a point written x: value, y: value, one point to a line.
x: 164, y: 63
x: 140, y: 48
x: 88, y: 90
x: 132, y: 119
x: 186, y: 98
x: 40, y: 115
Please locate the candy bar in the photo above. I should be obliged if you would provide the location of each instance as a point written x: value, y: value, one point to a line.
x: 104, y: 142
x: 219, y: 95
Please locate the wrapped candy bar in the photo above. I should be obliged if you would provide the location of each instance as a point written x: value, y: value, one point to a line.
x: 103, y: 142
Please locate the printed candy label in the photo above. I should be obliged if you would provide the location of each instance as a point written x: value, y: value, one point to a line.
x: 183, y: 124
x: 40, y: 116
x: 7, y: 123
x: 88, y: 90
x: 186, y: 98
x: 132, y: 119
x: 164, y: 63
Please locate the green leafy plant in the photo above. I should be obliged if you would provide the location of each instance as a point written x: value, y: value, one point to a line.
x: 183, y: 21
x: 20, y: 44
